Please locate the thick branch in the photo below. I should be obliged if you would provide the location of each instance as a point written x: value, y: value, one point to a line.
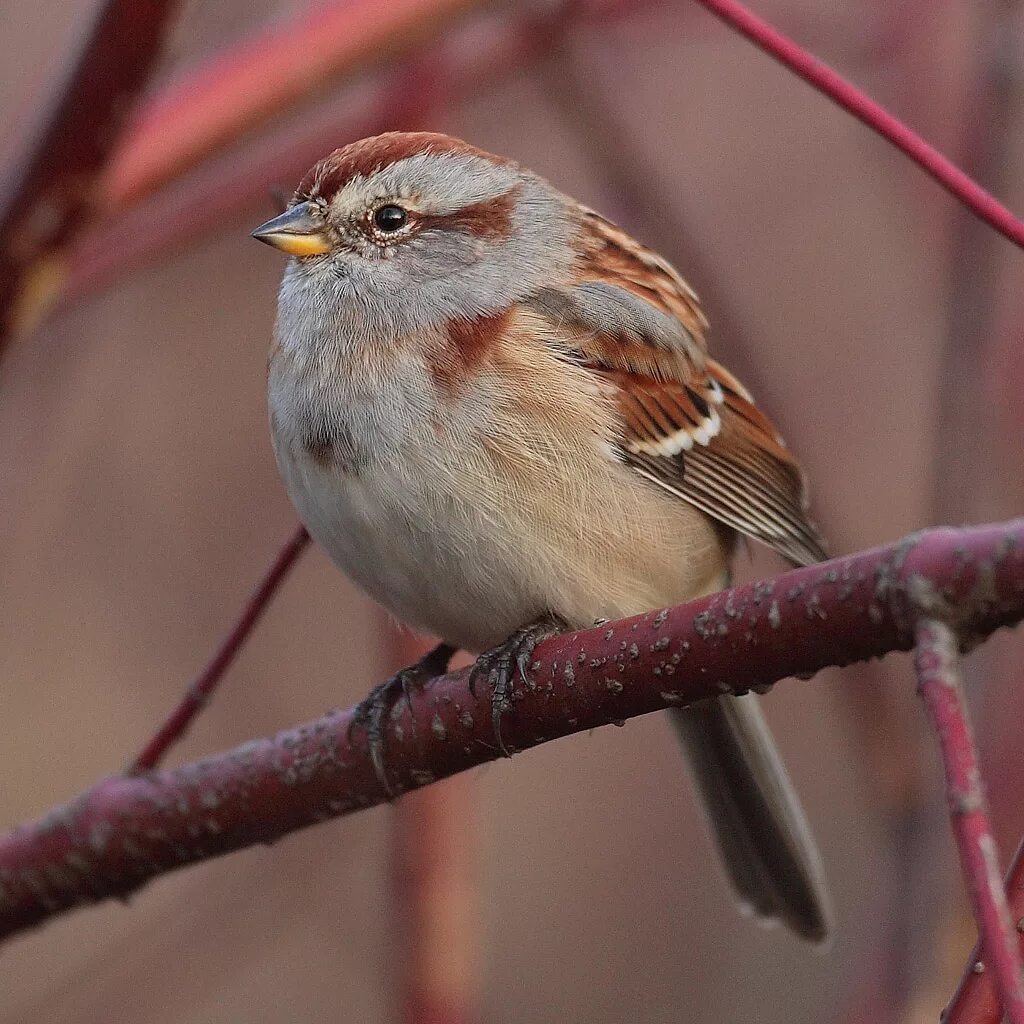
x: 125, y: 831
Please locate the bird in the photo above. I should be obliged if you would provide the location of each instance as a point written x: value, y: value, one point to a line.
x: 497, y: 413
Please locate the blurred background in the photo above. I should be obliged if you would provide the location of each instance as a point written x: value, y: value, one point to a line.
x: 875, y: 321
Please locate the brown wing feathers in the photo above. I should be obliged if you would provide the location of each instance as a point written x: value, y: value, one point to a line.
x: 746, y: 478
x: 688, y: 425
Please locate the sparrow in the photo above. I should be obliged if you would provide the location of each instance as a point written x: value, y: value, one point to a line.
x: 497, y: 413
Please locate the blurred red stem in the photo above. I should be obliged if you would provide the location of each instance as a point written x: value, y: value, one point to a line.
x: 850, y: 98
x: 47, y: 183
x: 202, y: 688
x: 127, y: 830
x: 937, y: 659
x: 433, y: 903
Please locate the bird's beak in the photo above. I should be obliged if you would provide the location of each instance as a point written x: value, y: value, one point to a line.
x: 298, y: 232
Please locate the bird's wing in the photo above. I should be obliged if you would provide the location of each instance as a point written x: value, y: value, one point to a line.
x: 687, y: 424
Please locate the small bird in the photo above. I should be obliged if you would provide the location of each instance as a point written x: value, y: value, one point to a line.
x: 496, y: 411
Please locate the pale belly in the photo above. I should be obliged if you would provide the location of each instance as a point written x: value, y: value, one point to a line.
x: 470, y: 564
x: 428, y: 572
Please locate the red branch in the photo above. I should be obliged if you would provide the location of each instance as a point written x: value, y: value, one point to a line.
x: 937, y: 658
x: 976, y: 1000
x: 49, y: 186
x: 865, y: 109
x: 127, y: 830
x: 201, y: 689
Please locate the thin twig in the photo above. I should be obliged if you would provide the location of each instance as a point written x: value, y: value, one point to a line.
x: 201, y: 689
x: 877, y: 118
x: 127, y: 830
x: 937, y: 659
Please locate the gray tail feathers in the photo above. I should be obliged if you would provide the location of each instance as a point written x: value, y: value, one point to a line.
x: 757, y: 820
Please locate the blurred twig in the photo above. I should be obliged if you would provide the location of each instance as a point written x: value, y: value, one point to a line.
x: 49, y: 184
x: 895, y: 27
x: 127, y: 830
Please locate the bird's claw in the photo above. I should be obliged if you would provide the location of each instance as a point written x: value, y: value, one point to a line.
x: 371, y: 712
x: 500, y: 664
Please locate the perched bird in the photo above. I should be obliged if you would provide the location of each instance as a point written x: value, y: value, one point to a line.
x: 496, y: 412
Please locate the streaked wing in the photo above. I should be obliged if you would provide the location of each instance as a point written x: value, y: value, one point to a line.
x: 743, y: 475
x: 687, y: 424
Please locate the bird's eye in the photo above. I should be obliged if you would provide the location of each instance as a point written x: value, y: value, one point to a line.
x: 390, y: 218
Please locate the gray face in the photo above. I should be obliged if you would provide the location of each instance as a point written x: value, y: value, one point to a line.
x: 475, y: 236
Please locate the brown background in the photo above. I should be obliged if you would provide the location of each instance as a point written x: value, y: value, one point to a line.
x: 140, y: 501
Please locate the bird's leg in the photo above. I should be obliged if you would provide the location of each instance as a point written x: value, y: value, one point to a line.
x: 370, y: 713
x: 500, y: 665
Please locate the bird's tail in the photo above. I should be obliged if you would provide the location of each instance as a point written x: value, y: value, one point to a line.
x: 758, y: 823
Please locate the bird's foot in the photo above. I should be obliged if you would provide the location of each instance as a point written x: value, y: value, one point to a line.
x: 500, y: 665
x: 371, y: 713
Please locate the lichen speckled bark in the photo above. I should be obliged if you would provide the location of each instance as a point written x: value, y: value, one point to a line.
x: 124, y: 831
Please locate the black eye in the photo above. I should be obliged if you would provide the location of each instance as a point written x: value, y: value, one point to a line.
x: 390, y: 218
